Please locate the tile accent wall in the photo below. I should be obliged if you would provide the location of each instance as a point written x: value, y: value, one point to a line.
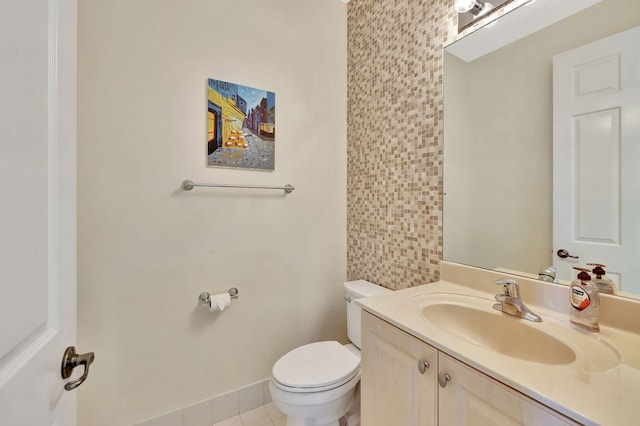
x: 395, y: 137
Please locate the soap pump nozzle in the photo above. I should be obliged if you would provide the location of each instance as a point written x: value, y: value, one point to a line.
x: 598, y: 270
x: 605, y: 285
x: 583, y: 275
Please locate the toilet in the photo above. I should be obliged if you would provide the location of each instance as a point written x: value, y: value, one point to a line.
x: 317, y: 384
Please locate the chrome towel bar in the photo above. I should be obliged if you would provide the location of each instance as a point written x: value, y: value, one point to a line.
x: 188, y: 185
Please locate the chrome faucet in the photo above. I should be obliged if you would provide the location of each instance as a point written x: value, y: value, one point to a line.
x: 547, y: 274
x: 511, y: 301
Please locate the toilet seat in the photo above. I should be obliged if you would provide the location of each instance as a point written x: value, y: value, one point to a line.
x: 315, y: 367
x: 315, y: 389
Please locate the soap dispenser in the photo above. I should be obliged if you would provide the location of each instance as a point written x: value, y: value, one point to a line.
x: 604, y: 284
x: 585, y: 301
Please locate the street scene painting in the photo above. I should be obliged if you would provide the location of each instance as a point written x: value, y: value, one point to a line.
x: 241, y: 126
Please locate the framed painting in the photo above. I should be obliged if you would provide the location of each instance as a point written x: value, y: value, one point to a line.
x: 241, y: 127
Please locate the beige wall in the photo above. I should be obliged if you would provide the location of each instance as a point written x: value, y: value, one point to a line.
x: 147, y: 249
x: 498, y: 163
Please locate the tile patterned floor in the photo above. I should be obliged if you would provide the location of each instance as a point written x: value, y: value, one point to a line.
x: 267, y: 415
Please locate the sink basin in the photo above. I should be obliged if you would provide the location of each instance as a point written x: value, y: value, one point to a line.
x: 496, y: 331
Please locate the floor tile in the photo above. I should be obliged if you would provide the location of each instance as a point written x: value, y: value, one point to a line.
x: 233, y: 421
x: 282, y: 421
x: 256, y: 417
x: 274, y: 412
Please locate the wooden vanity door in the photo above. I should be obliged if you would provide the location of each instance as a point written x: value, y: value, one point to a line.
x: 394, y: 391
x: 470, y: 398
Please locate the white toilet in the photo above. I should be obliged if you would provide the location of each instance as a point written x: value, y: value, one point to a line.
x: 317, y: 384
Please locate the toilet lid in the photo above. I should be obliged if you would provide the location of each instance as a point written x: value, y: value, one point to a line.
x: 316, y: 365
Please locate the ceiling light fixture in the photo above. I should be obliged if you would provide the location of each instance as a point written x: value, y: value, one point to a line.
x: 475, y: 7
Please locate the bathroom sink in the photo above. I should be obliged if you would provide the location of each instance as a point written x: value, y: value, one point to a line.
x: 498, y: 332
x: 472, y: 319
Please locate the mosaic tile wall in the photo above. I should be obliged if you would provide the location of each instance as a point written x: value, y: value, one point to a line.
x: 395, y: 138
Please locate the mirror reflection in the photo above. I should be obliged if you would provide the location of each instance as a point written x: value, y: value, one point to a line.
x: 513, y: 142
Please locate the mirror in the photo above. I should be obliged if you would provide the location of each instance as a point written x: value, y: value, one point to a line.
x: 498, y: 133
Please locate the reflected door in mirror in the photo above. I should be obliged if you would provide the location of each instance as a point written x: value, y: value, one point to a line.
x: 596, y: 156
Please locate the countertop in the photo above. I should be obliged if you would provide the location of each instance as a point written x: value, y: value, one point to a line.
x: 587, y: 391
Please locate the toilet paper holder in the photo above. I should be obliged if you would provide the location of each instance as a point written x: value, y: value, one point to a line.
x: 205, y: 296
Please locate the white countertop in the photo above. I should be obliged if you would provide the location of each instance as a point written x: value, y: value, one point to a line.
x: 586, y: 390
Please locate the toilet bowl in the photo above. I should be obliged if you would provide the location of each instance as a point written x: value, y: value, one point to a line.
x: 318, y: 383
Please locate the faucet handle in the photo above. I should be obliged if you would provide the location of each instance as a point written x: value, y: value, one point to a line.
x: 509, y: 285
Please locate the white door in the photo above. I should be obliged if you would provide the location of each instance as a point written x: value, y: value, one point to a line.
x: 37, y: 209
x: 596, y: 158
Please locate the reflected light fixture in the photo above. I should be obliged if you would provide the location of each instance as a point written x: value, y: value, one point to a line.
x: 475, y: 7
x: 470, y: 11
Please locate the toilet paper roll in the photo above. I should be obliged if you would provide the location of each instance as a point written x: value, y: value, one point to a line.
x: 219, y: 302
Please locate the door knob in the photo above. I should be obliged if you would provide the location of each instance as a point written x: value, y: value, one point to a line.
x: 564, y: 254
x: 422, y: 366
x: 71, y: 360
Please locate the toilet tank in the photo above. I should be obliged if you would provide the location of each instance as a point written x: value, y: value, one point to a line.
x: 356, y: 290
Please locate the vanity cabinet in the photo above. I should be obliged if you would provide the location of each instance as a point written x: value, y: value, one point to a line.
x: 396, y: 392
x: 396, y: 387
x: 472, y: 398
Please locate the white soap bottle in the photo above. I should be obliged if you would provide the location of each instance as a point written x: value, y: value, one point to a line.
x: 585, y: 301
x: 604, y: 284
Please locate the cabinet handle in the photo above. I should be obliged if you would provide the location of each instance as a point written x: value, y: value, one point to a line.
x: 443, y: 378
x: 423, y: 365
